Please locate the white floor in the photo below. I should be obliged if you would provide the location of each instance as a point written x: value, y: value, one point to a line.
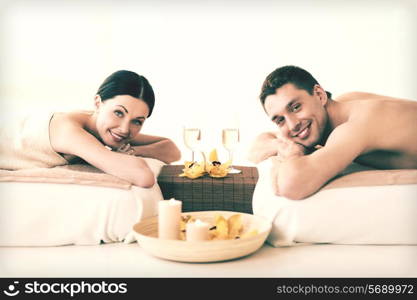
x: 129, y: 260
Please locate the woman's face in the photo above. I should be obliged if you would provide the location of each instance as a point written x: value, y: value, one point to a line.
x: 120, y: 119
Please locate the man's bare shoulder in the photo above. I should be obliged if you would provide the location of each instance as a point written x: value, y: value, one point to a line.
x: 378, y: 120
x: 351, y: 96
x: 268, y: 135
x: 354, y: 96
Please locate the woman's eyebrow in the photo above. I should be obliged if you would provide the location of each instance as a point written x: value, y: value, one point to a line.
x: 123, y: 108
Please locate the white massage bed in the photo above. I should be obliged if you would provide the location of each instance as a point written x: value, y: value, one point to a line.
x: 74, y: 204
x: 56, y: 229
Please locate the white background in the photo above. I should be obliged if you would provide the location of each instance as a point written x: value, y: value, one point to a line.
x: 206, y: 60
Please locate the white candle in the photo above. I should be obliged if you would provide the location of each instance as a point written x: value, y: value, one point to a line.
x: 169, y: 218
x: 197, y: 231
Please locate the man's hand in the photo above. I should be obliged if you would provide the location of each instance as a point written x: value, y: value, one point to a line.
x: 287, y: 148
x: 272, y: 144
x: 264, y: 146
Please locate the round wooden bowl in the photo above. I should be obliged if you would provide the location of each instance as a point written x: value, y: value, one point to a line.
x: 146, y: 233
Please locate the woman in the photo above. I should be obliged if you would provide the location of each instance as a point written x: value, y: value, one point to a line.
x: 103, y: 137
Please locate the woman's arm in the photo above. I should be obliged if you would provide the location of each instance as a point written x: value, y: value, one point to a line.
x: 155, y: 147
x: 69, y: 137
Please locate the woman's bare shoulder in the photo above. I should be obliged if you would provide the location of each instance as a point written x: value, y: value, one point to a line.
x: 75, y: 116
x: 67, y: 124
x: 71, y: 119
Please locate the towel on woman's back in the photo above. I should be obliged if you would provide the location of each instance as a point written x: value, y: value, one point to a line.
x: 25, y: 143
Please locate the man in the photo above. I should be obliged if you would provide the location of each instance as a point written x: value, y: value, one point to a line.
x: 318, y: 137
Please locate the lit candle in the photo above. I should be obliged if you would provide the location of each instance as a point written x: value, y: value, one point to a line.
x: 169, y: 218
x: 197, y: 231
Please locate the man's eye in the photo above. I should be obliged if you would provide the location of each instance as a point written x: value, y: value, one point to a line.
x: 296, y: 107
x: 280, y: 121
x: 118, y: 113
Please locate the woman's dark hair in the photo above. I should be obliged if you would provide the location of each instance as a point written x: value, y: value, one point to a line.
x: 127, y: 83
x: 288, y: 74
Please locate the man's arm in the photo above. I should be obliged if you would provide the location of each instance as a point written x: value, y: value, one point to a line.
x: 270, y: 144
x: 265, y: 145
x: 301, y: 176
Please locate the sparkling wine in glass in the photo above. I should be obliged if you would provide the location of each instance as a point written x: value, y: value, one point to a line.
x: 230, y: 137
x: 192, y: 138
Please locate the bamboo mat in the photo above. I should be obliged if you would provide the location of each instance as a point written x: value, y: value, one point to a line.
x: 231, y: 193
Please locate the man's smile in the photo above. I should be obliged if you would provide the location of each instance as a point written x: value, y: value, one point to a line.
x: 303, y: 133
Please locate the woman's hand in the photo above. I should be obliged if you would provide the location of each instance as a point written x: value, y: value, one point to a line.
x: 127, y: 149
x: 160, y: 148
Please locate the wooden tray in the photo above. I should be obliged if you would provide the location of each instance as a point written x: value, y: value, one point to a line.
x: 146, y: 233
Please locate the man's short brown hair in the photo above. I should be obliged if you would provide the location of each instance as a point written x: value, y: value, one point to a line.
x: 288, y: 74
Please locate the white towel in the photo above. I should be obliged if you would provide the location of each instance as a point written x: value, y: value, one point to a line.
x: 25, y: 143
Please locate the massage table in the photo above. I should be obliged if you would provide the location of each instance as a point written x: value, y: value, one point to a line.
x: 89, y: 233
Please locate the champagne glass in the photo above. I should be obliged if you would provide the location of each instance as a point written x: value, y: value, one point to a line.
x: 192, y: 138
x: 230, y: 137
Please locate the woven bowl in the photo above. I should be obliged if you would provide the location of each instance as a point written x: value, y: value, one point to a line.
x: 146, y: 233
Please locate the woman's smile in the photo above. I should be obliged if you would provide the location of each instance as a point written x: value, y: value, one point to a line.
x: 117, y: 137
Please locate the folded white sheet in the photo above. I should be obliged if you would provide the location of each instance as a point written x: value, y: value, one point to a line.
x: 53, y: 214
x: 378, y: 214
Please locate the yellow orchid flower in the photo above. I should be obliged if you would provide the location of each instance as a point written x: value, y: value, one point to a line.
x: 193, y: 170
x: 215, y: 168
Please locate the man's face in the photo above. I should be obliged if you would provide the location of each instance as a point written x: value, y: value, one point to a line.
x: 300, y: 117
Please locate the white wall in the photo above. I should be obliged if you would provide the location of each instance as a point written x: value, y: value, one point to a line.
x: 206, y: 61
